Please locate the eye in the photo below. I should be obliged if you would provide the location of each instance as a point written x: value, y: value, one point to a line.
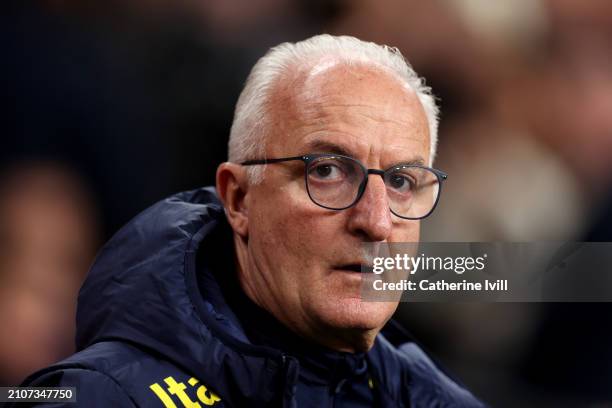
x: 401, y: 183
x: 326, y: 172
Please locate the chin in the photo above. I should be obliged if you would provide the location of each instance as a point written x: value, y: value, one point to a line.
x: 354, y: 314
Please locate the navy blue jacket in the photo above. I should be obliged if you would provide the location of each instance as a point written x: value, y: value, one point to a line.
x: 154, y: 331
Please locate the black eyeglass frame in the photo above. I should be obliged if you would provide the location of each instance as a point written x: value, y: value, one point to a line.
x: 309, y: 158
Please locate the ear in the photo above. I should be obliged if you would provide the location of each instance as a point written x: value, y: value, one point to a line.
x: 232, y: 187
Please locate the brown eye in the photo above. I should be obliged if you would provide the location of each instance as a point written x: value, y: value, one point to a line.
x: 323, y: 171
x: 400, y: 182
x: 327, y: 171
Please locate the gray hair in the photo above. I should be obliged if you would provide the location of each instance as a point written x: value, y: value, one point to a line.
x: 251, y: 118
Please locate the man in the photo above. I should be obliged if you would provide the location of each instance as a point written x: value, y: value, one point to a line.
x: 250, y: 296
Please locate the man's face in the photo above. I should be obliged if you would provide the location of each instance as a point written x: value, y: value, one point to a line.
x: 299, y: 254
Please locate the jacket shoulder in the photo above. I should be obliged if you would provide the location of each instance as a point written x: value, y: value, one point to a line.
x: 91, y: 388
x: 110, y: 374
x: 422, y: 382
x: 431, y: 385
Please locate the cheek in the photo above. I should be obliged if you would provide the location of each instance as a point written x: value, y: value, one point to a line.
x: 406, y: 231
x: 295, y: 231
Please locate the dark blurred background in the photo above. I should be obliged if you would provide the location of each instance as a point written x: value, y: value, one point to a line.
x: 113, y: 105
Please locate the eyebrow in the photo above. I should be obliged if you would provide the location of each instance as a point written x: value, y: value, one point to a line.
x: 321, y: 146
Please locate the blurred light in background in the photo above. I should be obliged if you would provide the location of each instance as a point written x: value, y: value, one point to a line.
x: 48, y: 236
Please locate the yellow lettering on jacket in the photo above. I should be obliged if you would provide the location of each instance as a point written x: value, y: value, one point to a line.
x: 178, y: 389
x: 162, y: 395
x: 207, y: 397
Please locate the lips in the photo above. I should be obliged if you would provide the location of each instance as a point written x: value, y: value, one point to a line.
x: 355, y: 267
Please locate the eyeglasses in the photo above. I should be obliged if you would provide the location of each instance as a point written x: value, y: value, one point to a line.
x: 337, y: 182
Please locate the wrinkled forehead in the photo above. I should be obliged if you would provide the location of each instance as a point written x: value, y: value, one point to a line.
x: 332, y: 97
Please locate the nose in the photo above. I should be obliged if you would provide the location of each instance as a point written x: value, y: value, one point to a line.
x: 371, y: 217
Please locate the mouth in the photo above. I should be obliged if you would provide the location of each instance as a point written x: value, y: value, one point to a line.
x: 354, y: 268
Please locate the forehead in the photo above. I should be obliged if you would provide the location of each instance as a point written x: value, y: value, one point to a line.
x: 364, y: 109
